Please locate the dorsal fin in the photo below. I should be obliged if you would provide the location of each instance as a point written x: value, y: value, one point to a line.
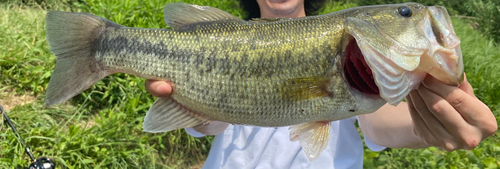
x: 264, y: 20
x: 177, y: 15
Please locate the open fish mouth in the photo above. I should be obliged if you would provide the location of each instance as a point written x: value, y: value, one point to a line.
x: 356, y: 71
x: 377, y: 63
x: 445, y: 48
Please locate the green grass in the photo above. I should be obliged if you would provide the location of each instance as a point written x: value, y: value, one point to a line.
x: 109, y: 115
x: 103, y: 126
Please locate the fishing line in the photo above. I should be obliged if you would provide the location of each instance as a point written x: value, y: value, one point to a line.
x: 40, y: 163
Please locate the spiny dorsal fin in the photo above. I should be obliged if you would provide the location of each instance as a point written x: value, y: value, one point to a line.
x: 166, y: 115
x: 313, y: 137
x: 264, y: 20
x: 180, y: 14
x: 304, y: 88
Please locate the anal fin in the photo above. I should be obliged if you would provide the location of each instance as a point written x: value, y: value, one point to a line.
x: 166, y: 115
x: 313, y: 137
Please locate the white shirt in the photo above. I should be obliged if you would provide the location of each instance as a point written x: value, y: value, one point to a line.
x: 269, y: 147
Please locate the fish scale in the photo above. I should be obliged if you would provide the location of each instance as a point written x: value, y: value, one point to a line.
x: 205, y: 80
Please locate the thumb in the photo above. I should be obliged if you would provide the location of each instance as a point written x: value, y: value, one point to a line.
x: 158, y: 88
x: 466, y: 87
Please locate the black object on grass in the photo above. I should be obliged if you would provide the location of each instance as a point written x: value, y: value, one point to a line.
x: 40, y: 163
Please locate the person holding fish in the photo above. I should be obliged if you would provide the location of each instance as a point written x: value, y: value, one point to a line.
x: 285, y: 90
x: 434, y: 114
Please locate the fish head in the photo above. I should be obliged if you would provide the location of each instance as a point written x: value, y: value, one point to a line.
x: 399, y: 45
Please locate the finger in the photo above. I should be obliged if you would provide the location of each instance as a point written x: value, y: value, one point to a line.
x: 419, y: 127
x: 440, y: 136
x: 417, y: 120
x: 454, y: 124
x: 488, y: 124
x: 440, y: 109
x: 469, y: 107
x: 158, y: 88
x: 466, y: 87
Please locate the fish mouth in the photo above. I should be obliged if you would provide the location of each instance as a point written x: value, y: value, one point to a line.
x: 444, y: 59
x: 396, y: 68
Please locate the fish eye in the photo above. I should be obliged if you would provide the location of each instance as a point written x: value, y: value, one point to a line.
x: 405, y: 11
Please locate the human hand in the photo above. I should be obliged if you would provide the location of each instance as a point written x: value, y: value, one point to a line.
x: 164, y: 89
x: 449, y: 117
x: 158, y: 88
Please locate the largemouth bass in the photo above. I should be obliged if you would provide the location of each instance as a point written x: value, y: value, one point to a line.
x: 303, y: 72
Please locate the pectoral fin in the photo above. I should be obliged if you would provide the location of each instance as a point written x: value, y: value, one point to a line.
x: 305, y: 88
x: 313, y: 137
x: 166, y: 115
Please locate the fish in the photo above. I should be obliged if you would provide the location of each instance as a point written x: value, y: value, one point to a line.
x: 297, y: 72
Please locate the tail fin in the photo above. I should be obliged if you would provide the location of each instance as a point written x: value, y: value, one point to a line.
x: 71, y: 37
